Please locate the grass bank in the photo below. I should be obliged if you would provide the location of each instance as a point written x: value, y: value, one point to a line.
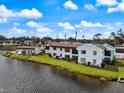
x: 69, y: 66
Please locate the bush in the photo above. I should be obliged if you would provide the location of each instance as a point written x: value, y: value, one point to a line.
x: 102, y: 65
x: 57, y: 57
x: 113, y: 62
x: 88, y: 63
x: 49, y: 55
x: 67, y: 59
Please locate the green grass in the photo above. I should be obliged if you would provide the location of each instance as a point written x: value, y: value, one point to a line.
x: 72, y: 67
x: 121, y: 71
x: 120, y: 62
x: 111, y: 67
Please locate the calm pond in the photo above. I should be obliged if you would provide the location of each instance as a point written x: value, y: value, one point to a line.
x: 26, y: 77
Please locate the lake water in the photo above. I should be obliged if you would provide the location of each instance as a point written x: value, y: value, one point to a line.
x: 25, y: 77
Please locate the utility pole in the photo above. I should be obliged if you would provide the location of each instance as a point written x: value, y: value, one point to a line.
x: 76, y: 35
x: 57, y: 36
x: 65, y: 36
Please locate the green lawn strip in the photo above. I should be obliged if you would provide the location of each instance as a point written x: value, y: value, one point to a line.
x: 120, y: 62
x: 121, y: 71
x: 82, y: 69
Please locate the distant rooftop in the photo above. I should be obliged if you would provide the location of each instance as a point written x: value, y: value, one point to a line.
x: 65, y: 44
x: 25, y: 47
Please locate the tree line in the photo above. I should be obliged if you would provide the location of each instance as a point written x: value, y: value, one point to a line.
x: 114, y: 38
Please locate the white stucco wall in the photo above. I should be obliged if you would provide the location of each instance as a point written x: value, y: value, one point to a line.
x: 28, y: 51
x: 59, y: 52
x: 89, y: 54
x: 119, y: 55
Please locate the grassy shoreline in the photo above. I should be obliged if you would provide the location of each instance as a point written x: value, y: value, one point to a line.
x: 69, y: 66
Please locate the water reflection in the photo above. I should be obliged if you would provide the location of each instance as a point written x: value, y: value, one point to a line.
x: 25, y: 77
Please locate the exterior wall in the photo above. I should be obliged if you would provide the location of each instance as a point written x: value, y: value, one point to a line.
x: 5, y: 44
x: 89, y: 55
x: 27, y: 51
x: 28, y: 42
x: 37, y: 50
x: 109, y: 47
x: 119, y: 55
x: 59, y: 52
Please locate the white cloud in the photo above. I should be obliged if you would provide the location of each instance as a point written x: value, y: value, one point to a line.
x: 16, y: 24
x: 85, y: 24
x: 33, y: 13
x: 66, y: 26
x: 33, y: 24
x: 89, y: 24
x: 39, y: 28
x: 43, y: 29
x: 106, y: 2
x: 70, y: 5
x: 3, y: 20
x: 90, y: 7
x: 118, y: 23
x: 18, y: 30
x: 120, y: 7
x: 4, y: 12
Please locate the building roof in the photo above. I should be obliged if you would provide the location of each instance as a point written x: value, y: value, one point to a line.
x: 25, y: 47
x: 5, y: 40
x: 120, y: 46
x: 102, y: 47
x: 65, y: 44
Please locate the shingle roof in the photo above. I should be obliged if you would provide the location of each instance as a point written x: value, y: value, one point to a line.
x: 66, y: 45
x: 120, y: 46
x: 102, y: 47
x: 25, y: 47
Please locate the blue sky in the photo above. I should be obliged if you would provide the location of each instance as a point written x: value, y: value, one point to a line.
x: 51, y: 17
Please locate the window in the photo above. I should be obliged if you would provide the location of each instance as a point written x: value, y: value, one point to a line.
x: 94, y: 52
x: 67, y: 49
x: 94, y: 61
x: 83, y: 51
x: 119, y: 50
x: 54, y: 48
x: 67, y: 56
x: 61, y: 49
x: 60, y: 55
x: 74, y: 51
x: 83, y: 59
x: 47, y: 47
x: 54, y: 54
x: 108, y: 53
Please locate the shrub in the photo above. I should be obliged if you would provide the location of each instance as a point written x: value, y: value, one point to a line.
x: 49, y: 55
x: 102, y: 65
x: 88, y: 63
x: 57, y: 57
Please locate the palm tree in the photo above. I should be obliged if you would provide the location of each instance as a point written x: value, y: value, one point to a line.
x: 112, y: 35
x: 97, y: 36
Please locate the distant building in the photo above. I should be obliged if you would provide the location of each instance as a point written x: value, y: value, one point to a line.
x: 6, y: 42
x: 95, y: 54
x: 24, y: 42
x: 28, y: 42
x: 27, y: 50
x: 120, y: 51
x: 63, y: 50
x: 16, y: 42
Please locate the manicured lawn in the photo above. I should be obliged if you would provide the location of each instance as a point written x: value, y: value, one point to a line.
x: 120, y: 62
x: 70, y: 66
x: 121, y: 71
